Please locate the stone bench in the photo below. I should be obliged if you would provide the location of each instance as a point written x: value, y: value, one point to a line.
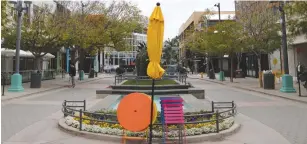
x: 198, y: 93
x: 148, y: 87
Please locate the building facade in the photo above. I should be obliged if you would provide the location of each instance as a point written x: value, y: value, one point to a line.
x: 111, y: 58
x: 197, y: 21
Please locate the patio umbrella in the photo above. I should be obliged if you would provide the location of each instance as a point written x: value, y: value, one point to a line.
x: 155, y: 34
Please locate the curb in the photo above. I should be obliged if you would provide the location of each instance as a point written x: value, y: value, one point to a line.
x: 111, y: 138
x: 47, y: 90
x: 247, y: 89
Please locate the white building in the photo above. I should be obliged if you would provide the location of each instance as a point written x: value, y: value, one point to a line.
x: 113, y: 58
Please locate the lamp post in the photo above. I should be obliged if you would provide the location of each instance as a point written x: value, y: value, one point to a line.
x: 287, y: 80
x: 221, y: 75
x: 16, y: 79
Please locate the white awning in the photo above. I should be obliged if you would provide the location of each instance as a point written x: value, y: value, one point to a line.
x: 49, y: 55
x: 11, y: 53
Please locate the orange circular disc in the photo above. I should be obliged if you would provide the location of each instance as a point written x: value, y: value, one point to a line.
x: 133, y: 112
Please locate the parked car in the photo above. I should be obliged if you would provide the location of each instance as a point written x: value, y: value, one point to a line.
x: 171, y: 69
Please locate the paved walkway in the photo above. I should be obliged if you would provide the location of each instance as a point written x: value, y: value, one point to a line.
x: 34, y: 119
x: 252, y: 84
x: 265, y: 120
x: 47, y: 85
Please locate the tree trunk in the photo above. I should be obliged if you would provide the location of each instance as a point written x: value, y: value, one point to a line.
x: 212, y: 66
x: 90, y: 70
x: 239, y: 58
x: 38, y: 65
x: 81, y: 59
x: 73, y: 56
x: 259, y: 71
x: 231, y: 67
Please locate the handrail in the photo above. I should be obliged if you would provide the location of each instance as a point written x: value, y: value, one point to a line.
x: 119, y: 78
x: 69, y: 111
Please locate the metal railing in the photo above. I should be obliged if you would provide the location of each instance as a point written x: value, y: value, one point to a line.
x: 221, y: 111
x: 120, y: 78
x: 26, y: 75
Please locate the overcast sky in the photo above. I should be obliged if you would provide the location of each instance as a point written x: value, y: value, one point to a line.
x: 176, y: 12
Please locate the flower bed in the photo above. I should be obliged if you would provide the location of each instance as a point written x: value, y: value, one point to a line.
x: 116, y: 129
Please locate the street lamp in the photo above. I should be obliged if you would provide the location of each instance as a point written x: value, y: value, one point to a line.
x: 221, y: 75
x: 287, y: 80
x: 16, y: 79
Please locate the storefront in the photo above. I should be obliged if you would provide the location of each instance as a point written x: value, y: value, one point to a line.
x: 251, y: 68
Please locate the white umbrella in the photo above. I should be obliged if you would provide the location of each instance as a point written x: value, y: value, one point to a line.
x: 49, y: 55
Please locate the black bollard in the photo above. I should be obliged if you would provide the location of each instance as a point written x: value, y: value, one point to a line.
x: 299, y: 86
x: 3, y: 84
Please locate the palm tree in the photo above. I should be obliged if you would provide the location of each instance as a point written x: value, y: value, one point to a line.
x: 170, y: 54
x: 142, y: 59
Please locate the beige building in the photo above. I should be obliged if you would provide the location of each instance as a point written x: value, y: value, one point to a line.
x: 199, y: 20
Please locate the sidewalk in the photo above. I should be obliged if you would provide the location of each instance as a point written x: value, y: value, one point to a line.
x: 47, y: 85
x: 252, y: 84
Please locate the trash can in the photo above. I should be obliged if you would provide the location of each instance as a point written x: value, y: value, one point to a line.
x: 91, y: 74
x: 36, y: 79
x: 268, y: 80
x: 211, y: 74
x: 81, y: 75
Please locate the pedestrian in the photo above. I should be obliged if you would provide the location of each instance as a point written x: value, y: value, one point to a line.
x: 299, y: 70
x: 72, y: 74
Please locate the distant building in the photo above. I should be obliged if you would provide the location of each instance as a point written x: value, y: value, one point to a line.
x: 197, y: 21
x: 113, y: 58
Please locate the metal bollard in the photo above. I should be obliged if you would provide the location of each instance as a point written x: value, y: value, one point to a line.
x: 84, y: 105
x: 233, y: 105
x: 80, y: 120
x: 212, y: 106
x: 65, y: 108
x: 299, y: 86
x: 3, y: 84
x: 217, y: 121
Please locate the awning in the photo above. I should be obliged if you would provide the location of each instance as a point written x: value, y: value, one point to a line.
x: 11, y: 53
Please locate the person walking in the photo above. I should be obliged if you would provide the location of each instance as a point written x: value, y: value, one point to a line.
x: 72, y: 74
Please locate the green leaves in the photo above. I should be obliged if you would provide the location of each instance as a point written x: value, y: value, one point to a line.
x: 170, y: 54
x: 260, y: 22
x: 224, y: 38
x: 297, y: 17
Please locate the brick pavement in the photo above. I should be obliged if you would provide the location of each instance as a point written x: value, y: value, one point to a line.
x: 252, y: 84
x: 47, y: 85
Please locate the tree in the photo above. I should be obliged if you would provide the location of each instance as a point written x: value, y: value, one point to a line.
x: 3, y: 13
x: 260, y: 23
x: 200, y: 42
x: 169, y: 53
x: 142, y: 59
x: 228, y: 38
x: 297, y: 17
x: 93, y: 26
x: 42, y: 36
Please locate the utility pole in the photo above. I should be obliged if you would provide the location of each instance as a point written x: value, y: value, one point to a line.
x: 221, y: 77
x: 287, y: 80
x: 16, y: 79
